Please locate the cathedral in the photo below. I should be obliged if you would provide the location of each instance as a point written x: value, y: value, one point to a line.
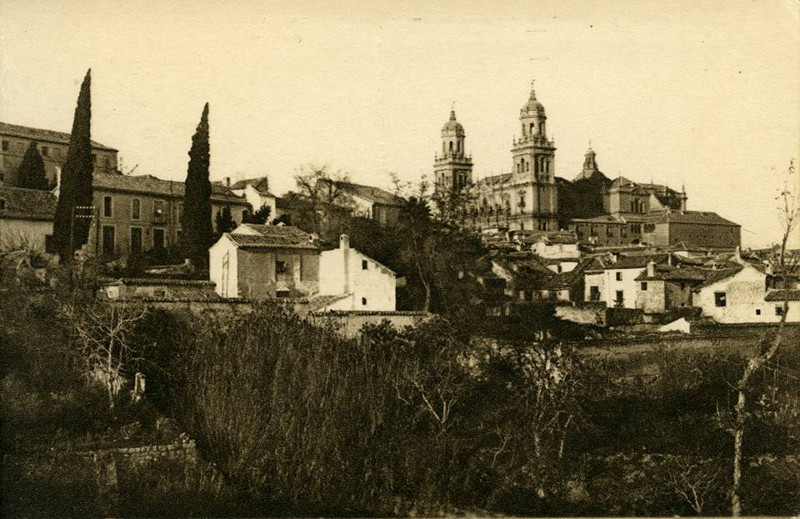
x: 525, y: 198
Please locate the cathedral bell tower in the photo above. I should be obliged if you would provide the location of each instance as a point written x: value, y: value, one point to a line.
x: 534, y: 167
x: 533, y: 153
x: 452, y: 166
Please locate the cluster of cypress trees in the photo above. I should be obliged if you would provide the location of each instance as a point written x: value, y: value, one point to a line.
x: 72, y: 220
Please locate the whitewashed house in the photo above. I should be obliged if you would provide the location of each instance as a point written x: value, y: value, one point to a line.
x: 265, y: 261
x: 256, y: 192
x: 742, y: 295
x: 612, y: 280
x: 26, y: 218
x: 369, y: 286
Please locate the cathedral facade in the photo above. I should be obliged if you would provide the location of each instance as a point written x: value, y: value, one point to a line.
x: 526, y: 198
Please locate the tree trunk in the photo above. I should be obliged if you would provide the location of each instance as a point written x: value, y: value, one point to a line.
x: 736, y: 504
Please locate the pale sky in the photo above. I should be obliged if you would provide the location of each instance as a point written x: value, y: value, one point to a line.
x: 705, y: 94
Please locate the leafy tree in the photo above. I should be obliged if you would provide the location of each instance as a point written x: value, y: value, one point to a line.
x: 260, y: 217
x: 196, y: 223
x: 224, y: 222
x: 75, y: 190
x: 31, y: 173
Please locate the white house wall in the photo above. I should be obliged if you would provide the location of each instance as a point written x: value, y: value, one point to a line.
x: 744, y: 300
x: 226, y: 284
x: 372, y: 288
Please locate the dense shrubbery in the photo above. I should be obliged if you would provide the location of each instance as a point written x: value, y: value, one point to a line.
x: 426, y: 421
x: 298, y: 420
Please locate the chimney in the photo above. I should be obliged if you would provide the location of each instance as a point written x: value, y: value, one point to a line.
x: 614, y: 257
x: 227, y: 181
x: 344, y: 246
x: 651, y: 269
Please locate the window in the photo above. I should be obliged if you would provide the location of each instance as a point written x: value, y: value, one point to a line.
x: 364, y: 265
x: 45, y: 151
x: 2, y: 204
x: 158, y: 239
x: 620, y: 299
x: 136, y: 240
x: 158, y: 208
x: 280, y: 267
x: 136, y: 209
x: 644, y: 286
x: 758, y: 311
x: 779, y: 310
x: 49, y: 244
x: 594, y: 293
x: 5, y: 145
x: 107, y: 206
x: 109, y: 244
x: 364, y: 301
x: 649, y: 227
x: 720, y: 299
x: 618, y: 276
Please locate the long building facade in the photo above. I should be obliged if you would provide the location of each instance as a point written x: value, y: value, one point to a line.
x: 525, y: 198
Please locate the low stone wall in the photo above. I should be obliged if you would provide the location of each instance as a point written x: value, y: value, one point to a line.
x: 588, y: 313
x: 349, y: 323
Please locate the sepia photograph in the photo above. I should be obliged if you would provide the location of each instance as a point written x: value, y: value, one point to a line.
x: 400, y: 258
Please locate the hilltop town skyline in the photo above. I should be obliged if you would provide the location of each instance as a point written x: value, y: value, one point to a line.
x: 688, y: 95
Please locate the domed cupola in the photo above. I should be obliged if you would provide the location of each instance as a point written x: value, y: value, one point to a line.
x: 532, y: 106
x: 452, y: 128
x: 533, y: 118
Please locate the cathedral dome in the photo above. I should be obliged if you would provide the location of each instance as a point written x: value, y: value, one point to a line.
x: 453, y: 127
x: 533, y: 105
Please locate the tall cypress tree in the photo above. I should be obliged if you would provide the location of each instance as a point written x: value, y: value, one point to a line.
x: 31, y: 173
x: 196, y: 225
x: 75, y: 189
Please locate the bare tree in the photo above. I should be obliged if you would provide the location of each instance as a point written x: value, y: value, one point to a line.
x: 321, y: 187
x: 789, y: 212
x: 693, y: 481
x: 104, y: 335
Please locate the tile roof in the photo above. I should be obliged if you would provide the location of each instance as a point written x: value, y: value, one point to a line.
x: 166, y: 282
x: 274, y: 236
x: 666, y: 273
x: 149, y: 184
x: 261, y: 184
x: 502, y: 178
x: 373, y: 194
x: 27, y: 204
x: 39, y: 135
x: 783, y: 294
x: 714, y: 275
x: 694, y: 217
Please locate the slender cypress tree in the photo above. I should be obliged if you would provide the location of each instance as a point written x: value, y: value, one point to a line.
x: 31, y: 173
x: 75, y: 189
x: 196, y: 222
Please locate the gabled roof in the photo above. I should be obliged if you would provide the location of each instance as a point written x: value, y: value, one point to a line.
x: 40, y: 135
x: 713, y: 276
x: 783, y: 295
x: 27, y: 204
x: 501, y: 178
x: 260, y: 184
x: 666, y: 273
x: 150, y: 185
x: 373, y: 194
x: 274, y: 237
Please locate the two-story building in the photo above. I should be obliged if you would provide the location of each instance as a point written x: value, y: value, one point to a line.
x: 142, y: 212
x: 265, y: 262
x: 367, y: 201
x: 52, y: 146
x: 256, y: 192
x: 742, y: 295
x: 26, y: 218
x: 613, y: 279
